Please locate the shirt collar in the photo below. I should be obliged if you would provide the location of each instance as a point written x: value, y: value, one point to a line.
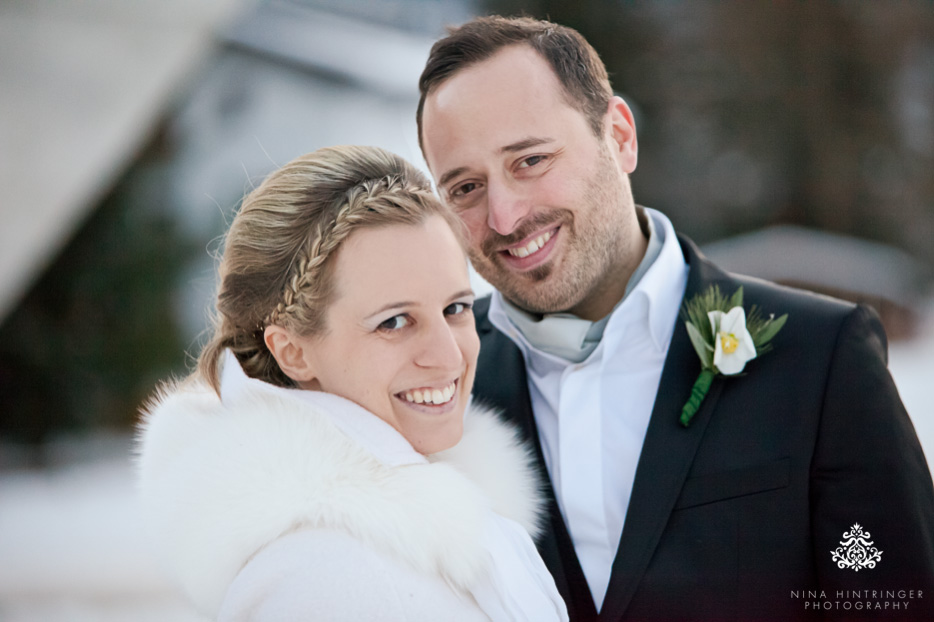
x: 376, y: 436
x: 664, y: 282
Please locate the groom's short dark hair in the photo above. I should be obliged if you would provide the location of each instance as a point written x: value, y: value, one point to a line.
x: 576, y: 64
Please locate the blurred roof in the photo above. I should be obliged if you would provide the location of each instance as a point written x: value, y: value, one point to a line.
x: 85, y: 82
x: 825, y: 262
x: 338, y: 44
x: 83, y: 85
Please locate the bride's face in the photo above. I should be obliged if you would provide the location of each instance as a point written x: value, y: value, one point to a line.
x: 400, y: 338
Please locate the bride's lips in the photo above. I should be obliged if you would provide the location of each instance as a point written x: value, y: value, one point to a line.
x: 532, y: 251
x: 433, y: 399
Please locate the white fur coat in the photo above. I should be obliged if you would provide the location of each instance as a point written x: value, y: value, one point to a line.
x: 220, y: 482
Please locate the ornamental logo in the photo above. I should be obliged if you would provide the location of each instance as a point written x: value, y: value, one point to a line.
x: 856, y: 550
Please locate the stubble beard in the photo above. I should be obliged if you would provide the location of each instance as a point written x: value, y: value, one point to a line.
x: 593, y: 236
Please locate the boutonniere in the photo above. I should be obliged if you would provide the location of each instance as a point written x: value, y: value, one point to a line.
x: 725, y: 339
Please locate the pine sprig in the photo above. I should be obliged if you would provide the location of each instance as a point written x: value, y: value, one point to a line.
x: 762, y: 329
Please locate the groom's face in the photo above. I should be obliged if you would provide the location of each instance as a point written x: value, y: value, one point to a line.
x: 540, y: 194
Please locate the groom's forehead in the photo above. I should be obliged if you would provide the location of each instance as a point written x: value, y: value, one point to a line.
x: 516, y: 69
x: 510, y: 63
x: 513, y: 82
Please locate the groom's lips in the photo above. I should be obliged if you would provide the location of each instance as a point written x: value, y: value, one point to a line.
x: 533, y: 250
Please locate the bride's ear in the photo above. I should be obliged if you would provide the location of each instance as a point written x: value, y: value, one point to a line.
x: 289, y: 353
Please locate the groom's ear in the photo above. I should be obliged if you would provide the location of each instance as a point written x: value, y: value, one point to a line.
x: 621, y: 128
x: 290, y: 352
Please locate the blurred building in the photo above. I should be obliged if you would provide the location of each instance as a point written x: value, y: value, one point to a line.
x: 134, y: 132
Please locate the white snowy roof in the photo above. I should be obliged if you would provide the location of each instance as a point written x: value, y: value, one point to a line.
x: 84, y: 82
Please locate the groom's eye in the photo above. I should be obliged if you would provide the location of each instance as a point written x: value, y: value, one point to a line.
x: 531, y: 161
x: 464, y: 189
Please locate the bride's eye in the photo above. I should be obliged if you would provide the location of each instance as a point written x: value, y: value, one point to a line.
x: 457, y: 308
x: 394, y: 323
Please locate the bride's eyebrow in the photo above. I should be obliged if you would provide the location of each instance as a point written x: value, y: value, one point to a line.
x: 451, y: 175
x: 461, y: 294
x: 391, y: 305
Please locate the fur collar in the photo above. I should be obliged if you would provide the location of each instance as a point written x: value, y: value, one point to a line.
x: 219, y: 481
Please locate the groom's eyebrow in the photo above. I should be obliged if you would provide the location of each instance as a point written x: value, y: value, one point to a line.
x: 525, y: 143
x: 451, y: 175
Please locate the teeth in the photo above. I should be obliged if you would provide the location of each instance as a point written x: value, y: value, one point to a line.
x: 431, y: 396
x: 531, y: 247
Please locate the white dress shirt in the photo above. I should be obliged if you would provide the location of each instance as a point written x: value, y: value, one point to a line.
x: 592, y: 416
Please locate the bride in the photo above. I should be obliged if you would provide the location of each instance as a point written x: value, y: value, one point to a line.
x: 324, y: 460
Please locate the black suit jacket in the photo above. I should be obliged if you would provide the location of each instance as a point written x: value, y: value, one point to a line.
x: 735, y: 516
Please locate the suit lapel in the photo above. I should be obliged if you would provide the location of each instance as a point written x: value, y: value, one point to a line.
x: 502, y: 382
x: 667, y: 452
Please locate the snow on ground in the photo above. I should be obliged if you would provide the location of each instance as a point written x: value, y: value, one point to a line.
x: 71, y: 547
x: 912, y: 367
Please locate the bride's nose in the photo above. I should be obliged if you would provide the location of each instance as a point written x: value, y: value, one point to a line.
x: 438, y: 347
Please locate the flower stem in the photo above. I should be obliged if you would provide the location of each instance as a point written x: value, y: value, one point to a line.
x: 698, y: 393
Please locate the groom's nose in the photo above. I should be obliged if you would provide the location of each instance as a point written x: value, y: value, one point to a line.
x: 506, y: 207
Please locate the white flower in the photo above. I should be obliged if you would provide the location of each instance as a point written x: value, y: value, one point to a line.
x: 733, y: 345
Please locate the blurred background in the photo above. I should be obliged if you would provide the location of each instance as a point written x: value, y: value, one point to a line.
x: 792, y: 140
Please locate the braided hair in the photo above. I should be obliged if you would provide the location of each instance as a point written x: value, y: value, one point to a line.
x: 277, y: 262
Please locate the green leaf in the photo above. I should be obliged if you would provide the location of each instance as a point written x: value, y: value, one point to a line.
x: 700, y: 346
x: 702, y: 325
x: 737, y: 299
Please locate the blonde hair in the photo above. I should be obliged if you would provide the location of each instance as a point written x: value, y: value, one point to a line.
x: 278, y: 252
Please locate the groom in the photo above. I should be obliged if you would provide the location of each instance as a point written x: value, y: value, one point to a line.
x: 739, y: 515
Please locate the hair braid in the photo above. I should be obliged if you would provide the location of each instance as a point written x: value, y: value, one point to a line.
x: 372, y: 197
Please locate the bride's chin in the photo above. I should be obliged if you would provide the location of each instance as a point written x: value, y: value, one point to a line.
x: 452, y: 437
